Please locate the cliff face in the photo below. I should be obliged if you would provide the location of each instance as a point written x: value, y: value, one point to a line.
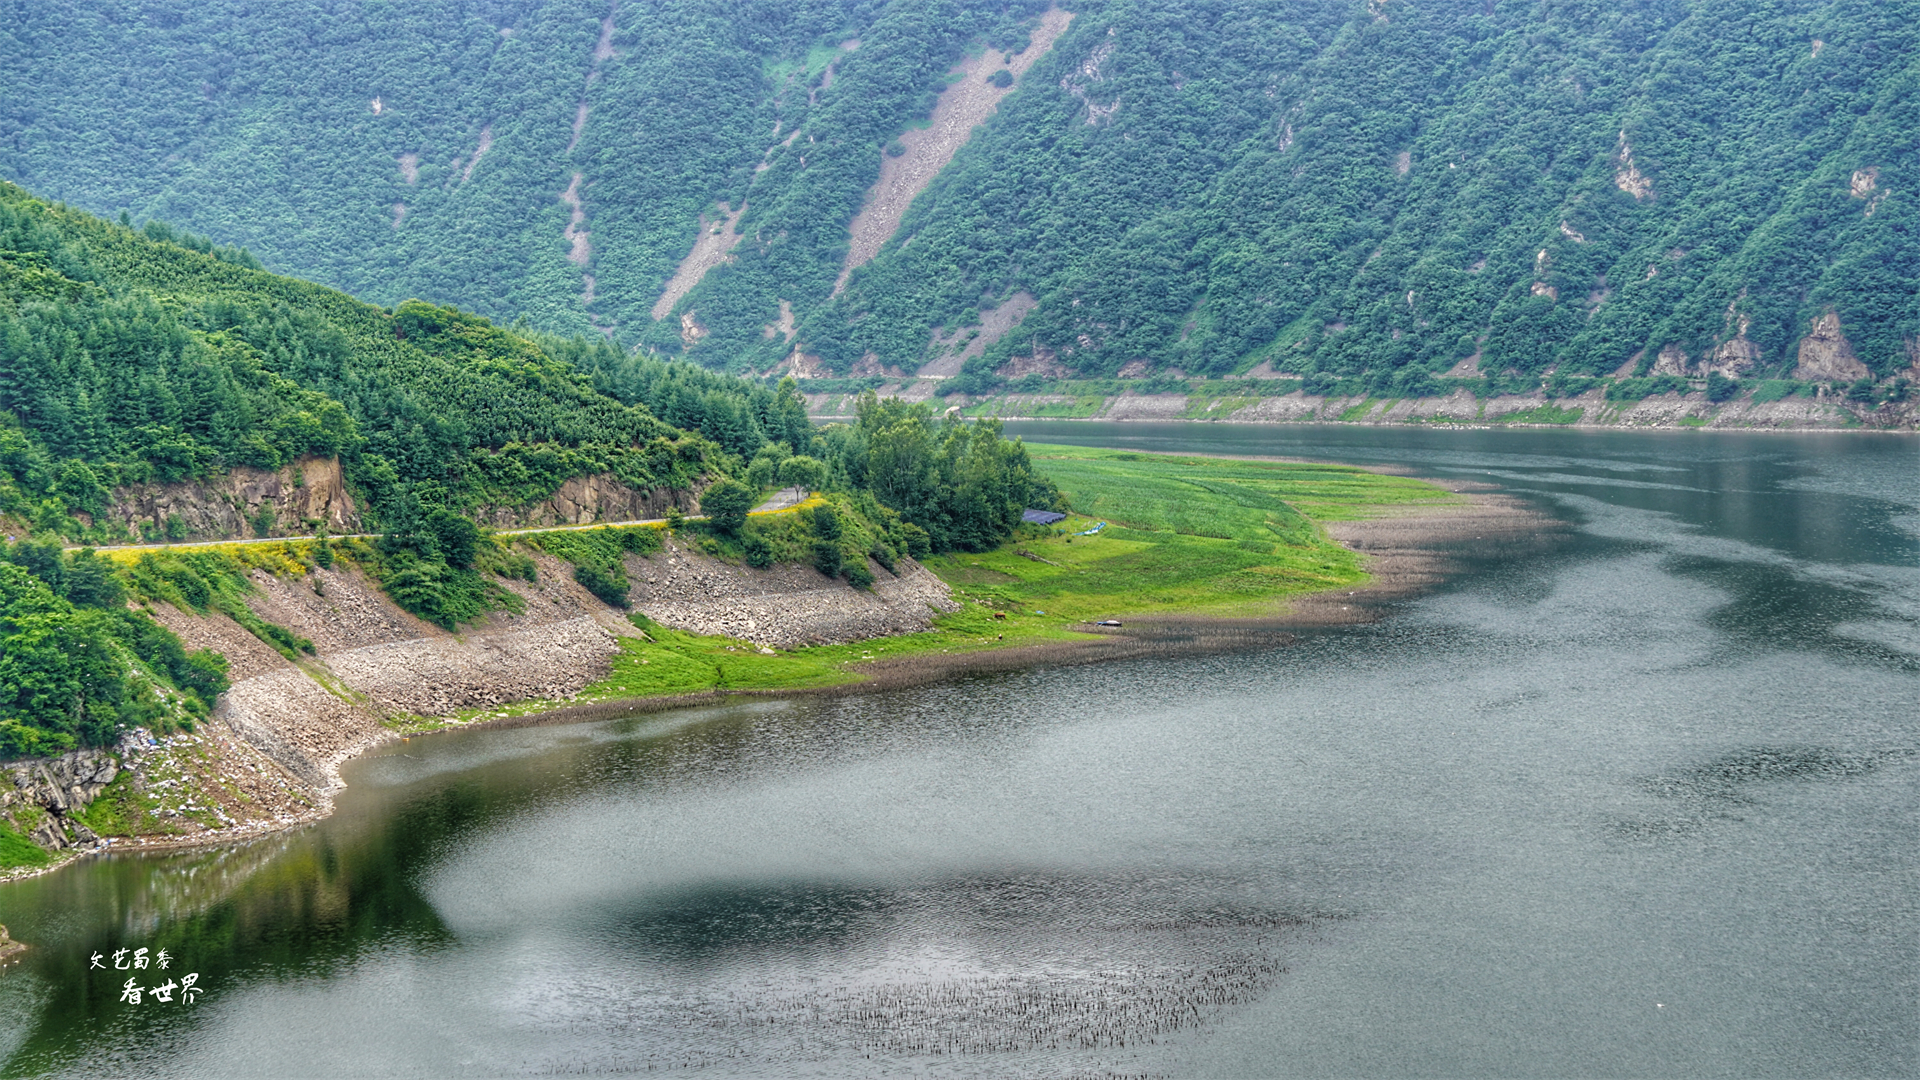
x: 587, y: 499
x: 1826, y: 354
x: 38, y: 796
x: 290, y: 500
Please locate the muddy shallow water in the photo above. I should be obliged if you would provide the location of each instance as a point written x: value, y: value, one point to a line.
x: 1639, y: 802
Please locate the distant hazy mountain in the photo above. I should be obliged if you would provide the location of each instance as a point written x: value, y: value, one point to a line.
x: 1329, y: 187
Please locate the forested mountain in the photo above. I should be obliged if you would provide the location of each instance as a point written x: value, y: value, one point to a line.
x: 131, y: 357
x: 1354, y: 188
x: 134, y: 358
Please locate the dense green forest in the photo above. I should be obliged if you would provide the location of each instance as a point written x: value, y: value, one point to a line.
x: 1365, y: 190
x: 135, y: 355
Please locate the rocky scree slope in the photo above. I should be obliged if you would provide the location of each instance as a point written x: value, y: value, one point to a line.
x: 270, y: 754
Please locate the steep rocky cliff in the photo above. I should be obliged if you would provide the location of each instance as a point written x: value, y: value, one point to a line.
x: 245, y: 502
x: 40, y: 795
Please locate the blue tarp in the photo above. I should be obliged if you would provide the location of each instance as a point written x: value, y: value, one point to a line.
x: 1042, y: 517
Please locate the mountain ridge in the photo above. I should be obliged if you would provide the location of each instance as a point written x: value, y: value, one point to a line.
x: 1375, y: 190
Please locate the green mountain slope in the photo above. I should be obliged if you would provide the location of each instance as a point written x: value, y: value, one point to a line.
x: 1376, y: 189
x: 132, y: 358
x: 126, y: 358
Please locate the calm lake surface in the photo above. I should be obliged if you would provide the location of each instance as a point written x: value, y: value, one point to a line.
x: 1640, y: 804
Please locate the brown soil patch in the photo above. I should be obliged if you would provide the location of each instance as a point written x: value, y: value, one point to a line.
x: 964, y: 106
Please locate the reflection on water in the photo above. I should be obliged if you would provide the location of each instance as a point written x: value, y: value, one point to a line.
x: 1642, y: 803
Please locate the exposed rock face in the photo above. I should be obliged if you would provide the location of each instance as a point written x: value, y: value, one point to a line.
x: 310, y: 489
x: 1734, y: 357
x: 39, y: 794
x: 691, y: 330
x: 951, y: 355
x: 1627, y: 175
x: 586, y: 499
x: 1671, y: 360
x: 1865, y: 184
x: 1038, y: 362
x: 782, y: 606
x: 1827, y: 355
x: 801, y: 365
x: 869, y: 365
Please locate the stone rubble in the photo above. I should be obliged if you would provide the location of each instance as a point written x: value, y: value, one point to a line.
x: 782, y: 606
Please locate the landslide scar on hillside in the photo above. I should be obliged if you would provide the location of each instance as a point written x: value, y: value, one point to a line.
x: 712, y: 247
x: 579, y: 246
x: 964, y: 106
x: 952, y: 351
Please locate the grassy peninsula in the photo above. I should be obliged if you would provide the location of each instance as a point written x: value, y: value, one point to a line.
x: 1183, y: 535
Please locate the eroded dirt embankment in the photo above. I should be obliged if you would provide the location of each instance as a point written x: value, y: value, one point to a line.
x: 374, y: 662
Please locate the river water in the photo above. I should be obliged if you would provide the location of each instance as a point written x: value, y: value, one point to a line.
x: 1639, y: 804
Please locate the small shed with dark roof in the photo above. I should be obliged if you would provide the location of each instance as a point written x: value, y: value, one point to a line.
x: 1042, y: 517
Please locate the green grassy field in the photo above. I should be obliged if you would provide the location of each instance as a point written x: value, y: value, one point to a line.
x: 1185, y: 534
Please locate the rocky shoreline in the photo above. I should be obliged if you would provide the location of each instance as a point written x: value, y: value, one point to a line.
x: 1832, y: 412
x: 269, y: 756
